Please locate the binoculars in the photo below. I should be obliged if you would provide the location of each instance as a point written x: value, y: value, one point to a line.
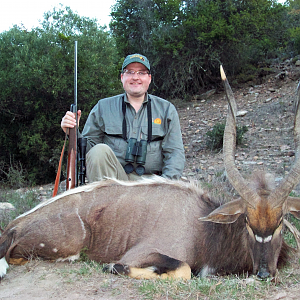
x: 82, y: 143
x: 136, y: 152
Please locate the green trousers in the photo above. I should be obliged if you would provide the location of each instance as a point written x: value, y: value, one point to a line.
x: 101, y: 162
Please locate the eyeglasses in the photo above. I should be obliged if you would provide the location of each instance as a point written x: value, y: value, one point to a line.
x: 138, y: 73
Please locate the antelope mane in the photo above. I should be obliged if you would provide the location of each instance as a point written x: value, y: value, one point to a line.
x: 152, y: 180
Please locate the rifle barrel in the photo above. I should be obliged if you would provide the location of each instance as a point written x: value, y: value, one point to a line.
x: 75, y: 74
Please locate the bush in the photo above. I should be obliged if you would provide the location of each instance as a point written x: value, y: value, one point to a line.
x: 36, y: 86
x: 12, y: 175
x: 295, y: 39
x: 214, y: 139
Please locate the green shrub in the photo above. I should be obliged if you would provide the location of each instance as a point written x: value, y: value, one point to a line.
x: 295, y: 38
x: 214, y: 140
x: 12, y: 175
x: 36, y: 86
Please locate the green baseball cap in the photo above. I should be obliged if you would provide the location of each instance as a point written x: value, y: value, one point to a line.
x: 136, y: 58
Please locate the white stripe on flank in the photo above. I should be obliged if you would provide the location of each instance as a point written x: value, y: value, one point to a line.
x: 82, y: 224
x: 3, y: 266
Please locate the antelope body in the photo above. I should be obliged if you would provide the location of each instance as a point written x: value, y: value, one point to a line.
x: 162, y: 228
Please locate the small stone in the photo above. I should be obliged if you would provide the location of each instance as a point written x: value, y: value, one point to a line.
x: 291, y: 153
x: 6, y: 206
x: 241, y: 113
x: 281, y: 295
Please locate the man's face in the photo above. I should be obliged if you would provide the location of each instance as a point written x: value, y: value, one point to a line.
x: 136, y: 85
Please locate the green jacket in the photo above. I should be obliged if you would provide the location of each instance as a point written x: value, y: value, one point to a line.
x: 164, y: 155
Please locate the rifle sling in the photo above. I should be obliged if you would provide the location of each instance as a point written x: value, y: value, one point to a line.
x: 57, y: 179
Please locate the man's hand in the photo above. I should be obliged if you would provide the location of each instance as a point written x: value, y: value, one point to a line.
x: 69, y: 120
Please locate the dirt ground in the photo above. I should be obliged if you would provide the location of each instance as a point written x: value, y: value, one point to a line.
x: 267, y: 113
x: 46, y: 280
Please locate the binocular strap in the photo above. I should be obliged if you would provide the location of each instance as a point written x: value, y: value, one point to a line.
x: 149, y: 116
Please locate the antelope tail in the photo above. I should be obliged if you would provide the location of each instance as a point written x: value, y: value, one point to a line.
x: 5, y: 242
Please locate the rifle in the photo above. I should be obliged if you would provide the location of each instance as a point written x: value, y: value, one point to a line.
x: 74, y: 144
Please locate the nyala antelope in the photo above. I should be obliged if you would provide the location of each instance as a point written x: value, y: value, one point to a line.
x: 157, y: 228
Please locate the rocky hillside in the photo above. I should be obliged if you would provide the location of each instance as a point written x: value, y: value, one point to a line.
x: 266, y: 110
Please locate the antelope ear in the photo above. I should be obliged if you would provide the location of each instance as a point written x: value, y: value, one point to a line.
x: 227, y: 213
x: 293, y: 206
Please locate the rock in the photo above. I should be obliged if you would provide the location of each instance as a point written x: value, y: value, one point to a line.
x: 297, y: 63
x: 284, y: 147
x: 280, y: 295
x: 206, y: 95
x: 249, y: 163
x: 6, y: 206
x: 281, y: 75
x: 241, y: 113
x: 290, y: 153
x: 191, y: 174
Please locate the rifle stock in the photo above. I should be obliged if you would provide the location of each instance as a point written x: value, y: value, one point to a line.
x: 72, y: 159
